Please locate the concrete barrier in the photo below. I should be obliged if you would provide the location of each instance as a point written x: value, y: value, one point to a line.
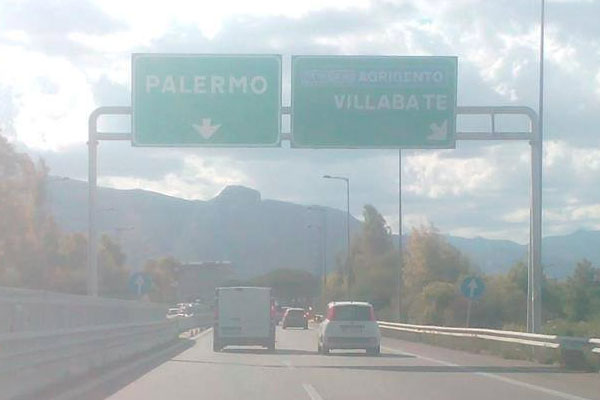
x: 50, y: 338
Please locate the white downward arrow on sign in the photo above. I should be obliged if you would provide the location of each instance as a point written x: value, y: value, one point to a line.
x: 206, y: 130
x: 438, y: 132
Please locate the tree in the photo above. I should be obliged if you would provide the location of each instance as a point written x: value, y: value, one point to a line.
x: 163, y: 272
x: 290, y: 285
x: 26, y: 230
x: 580, y: 293
x: 373, y: 266
x: 113, y: 274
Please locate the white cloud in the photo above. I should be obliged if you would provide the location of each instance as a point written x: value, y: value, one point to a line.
x: 517, y: 216
x: 51, y: 96
x: 559, y: 155
x: 435, y: 176
x: 497, y: 48
x: 152, y: 19
x: 198, y: 180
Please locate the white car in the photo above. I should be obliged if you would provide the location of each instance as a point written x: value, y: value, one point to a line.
x: 349, y: 325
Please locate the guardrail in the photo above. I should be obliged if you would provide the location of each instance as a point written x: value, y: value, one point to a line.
x: 571, y: 349
x: 47, y: 338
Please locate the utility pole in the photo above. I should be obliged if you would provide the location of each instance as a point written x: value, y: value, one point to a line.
x: 400, y: 249
x: 347, y: 180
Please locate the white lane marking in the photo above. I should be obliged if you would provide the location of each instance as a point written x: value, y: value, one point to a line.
x: 312, y: 392
x: 203, y: 333
x: 504, y: 379
x: 288, y: 364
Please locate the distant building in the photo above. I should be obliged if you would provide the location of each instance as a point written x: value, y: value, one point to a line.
x: 198, y: 280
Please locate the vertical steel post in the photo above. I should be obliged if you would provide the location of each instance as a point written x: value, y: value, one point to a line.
x: 400, y: 249
x: 537, y: 160
x: 348, y: 268
x: 324, y: 238
x: 92, y: 259
x: 536, y: 234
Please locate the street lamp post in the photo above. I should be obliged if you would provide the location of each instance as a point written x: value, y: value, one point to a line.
x: 323, y: 246
x: 347, y: 180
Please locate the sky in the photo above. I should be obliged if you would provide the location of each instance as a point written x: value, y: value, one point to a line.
x: 59, y: 60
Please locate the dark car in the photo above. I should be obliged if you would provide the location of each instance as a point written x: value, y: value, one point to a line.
x: 296, y: 318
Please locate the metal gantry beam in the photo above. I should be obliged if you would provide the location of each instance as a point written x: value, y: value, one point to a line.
x: 534, y: 263
x: 534, y: 299
x: 93, y: 137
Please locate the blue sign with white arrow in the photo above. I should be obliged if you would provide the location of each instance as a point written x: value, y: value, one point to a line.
x: 140, y: 283
x: 472, y: 287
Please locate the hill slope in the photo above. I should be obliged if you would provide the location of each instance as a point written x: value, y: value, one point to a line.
x: 259, y: 235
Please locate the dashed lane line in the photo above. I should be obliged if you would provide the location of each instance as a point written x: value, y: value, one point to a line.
x: 311, y: 391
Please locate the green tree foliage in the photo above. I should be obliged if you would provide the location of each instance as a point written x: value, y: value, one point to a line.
x: 290, y: 285
x: 582, y: 293
x: 373, y: 266
x: 163, y: 272
x: 25, y: 228
x: 34, y: 253
x: 113, y: 274
x: 432, y: 266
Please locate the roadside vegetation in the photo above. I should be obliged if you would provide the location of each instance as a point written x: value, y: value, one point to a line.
x: 36, y: 254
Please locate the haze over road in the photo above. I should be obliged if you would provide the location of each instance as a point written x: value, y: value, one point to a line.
x: 405, y: 370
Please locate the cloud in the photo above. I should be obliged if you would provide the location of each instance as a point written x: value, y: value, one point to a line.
x: 50, y: 98
x: 65, y: 59
x: 435, y: 177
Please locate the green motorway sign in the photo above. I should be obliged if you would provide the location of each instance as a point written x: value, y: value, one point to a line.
x: 206, y: 100
x: 373, y: 102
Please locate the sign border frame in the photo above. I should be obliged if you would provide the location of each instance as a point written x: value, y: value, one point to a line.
x: 135, y: 143
x: 295, y: 145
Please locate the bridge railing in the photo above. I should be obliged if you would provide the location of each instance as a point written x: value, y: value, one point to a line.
x: 47, y: 338
x: 572, y: 351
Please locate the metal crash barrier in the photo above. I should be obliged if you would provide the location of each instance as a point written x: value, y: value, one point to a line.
x: 50, y: 338
x: 572, y: 351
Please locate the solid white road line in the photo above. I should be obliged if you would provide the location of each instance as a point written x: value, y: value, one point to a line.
x: 203, y: 333
x: 504, y: 379
x: 312, y: 392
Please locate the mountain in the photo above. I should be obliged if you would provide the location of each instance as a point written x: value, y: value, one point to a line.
x: 259, y: 235
x: 256, y: 235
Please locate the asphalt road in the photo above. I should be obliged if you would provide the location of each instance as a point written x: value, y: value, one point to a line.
x: 405, y: 370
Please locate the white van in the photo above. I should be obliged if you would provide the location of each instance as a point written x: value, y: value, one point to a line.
x: 244, y: 317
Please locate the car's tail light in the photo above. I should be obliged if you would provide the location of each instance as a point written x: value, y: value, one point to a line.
x: 372, y: 316
x: 331, y: 314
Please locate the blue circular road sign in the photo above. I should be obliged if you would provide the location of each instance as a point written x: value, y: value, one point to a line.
x: 472, y: 287
x: 140, y: 283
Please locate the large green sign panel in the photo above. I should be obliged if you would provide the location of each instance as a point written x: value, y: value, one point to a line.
x: 206, y: 100
x: 373, y: 102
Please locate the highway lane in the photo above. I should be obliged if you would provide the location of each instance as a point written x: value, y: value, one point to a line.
x: 404, y: 371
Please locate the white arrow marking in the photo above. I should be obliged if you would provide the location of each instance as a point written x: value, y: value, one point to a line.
x: 206, y: 130
x: 139, y: 282
x: 438, y: 132
x: 472, y: 287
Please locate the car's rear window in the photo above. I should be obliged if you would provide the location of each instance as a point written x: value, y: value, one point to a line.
x: 295, y: 313
x: 352, y: 313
